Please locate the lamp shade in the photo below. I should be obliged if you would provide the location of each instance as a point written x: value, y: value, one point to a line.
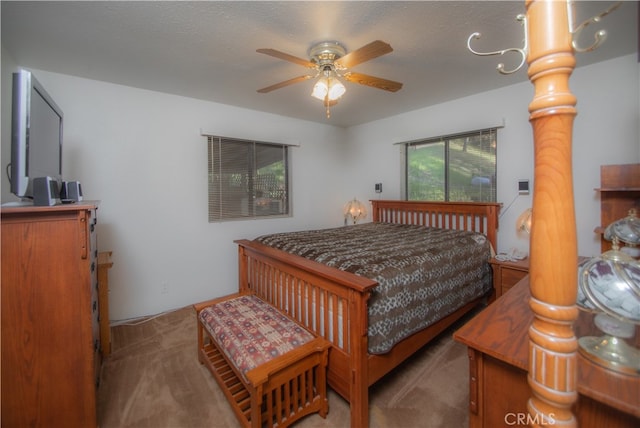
x: 328, y: 87
x: 523, y: 223
x: 336, y: 89
x: 354, y: 210
x: 320, y: 89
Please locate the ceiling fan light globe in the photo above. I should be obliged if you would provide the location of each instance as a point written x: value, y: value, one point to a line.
x: 320, y: 89
x: 336, y: 90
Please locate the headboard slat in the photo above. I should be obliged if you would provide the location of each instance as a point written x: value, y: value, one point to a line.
x: 471, y: 216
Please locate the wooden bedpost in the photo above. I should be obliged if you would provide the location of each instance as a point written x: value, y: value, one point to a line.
x: 359, y: 382
x: 243, y: 270
x: 553, y: 268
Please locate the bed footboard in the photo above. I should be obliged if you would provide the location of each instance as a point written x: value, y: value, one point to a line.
x: 333, y: 303
x: 330, y: 302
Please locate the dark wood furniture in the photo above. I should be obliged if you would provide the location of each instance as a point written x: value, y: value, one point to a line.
x: 506, y: 274
x: 104, y: 264
x: 304, y: 289
x: 50, y: 328
x: 619, y: 192
x: 498, y: 348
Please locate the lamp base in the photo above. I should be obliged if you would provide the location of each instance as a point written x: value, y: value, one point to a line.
x: 612, y: 353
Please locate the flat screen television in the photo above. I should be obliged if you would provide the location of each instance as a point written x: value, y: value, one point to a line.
x: 36, y: 135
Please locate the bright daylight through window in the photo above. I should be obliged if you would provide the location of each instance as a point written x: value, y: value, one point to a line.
x: 247, y: 179
x: 455, y: 168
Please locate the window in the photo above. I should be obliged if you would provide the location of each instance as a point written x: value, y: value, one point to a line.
x: 456, y: 168
x: 247, y: 179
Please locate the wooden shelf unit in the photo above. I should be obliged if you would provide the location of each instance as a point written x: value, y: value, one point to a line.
x: 619, y: 192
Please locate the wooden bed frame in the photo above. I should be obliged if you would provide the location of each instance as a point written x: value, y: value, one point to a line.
x: 303, y: 289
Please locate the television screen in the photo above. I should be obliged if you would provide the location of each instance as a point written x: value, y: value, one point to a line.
x: 36, y: 135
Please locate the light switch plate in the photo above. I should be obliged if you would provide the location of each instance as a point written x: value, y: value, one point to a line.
x: 523, y: 187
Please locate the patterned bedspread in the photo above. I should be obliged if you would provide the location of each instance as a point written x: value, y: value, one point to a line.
x: 423, y: 273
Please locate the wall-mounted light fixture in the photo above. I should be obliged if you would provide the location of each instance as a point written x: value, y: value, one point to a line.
x: 354, y: 210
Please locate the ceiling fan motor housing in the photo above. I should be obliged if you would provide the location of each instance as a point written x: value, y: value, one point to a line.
x: 325, y: 53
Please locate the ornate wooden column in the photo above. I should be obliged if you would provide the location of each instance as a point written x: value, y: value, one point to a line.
x: 553, y: 268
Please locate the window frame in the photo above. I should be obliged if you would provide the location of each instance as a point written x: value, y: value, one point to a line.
x: 445, y: 139
x: 245, y: 177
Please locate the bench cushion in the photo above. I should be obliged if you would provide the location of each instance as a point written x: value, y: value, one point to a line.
x: 252, y: 332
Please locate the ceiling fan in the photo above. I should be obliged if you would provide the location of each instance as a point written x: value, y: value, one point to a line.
x: 330, y: 60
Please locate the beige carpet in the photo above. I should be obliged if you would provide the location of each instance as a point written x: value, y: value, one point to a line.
x: 153, y: 379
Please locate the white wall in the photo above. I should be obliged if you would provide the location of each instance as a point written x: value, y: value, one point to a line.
x: 605, y: 132
x: 141, y: 154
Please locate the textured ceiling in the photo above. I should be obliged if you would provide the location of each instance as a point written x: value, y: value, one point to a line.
x: 207, y: 50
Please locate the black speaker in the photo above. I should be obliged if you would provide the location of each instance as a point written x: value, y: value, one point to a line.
x: 45, y: 192
x: 71, y: 191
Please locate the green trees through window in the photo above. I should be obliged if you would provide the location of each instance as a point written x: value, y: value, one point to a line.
x: 456, y: 168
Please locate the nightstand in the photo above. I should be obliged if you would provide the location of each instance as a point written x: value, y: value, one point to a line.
x: 507, y: 273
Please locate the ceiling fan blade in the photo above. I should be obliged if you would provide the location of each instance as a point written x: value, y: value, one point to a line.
x: 285, y: 83
x: 376, y: 82
x: 285, y: 56
x: 365, y: 53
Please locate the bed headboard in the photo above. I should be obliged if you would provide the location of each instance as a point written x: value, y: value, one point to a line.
x: 473, y: 216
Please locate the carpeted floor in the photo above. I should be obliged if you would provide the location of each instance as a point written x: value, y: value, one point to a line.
x: 153, y: 379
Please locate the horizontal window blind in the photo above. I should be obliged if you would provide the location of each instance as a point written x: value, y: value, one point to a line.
x: 247, y: 179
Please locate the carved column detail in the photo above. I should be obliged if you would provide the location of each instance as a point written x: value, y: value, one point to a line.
x: 553, y: 245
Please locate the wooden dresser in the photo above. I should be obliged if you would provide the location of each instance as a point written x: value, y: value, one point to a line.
x: 498, y: 348
x: 50, y: 316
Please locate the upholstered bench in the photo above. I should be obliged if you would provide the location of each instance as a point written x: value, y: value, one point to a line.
x: 272, y: 370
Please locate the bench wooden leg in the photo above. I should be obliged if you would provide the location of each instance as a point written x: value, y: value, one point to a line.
x: 321, y: 374
x: 200, y: 340
x: 256, y: 407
